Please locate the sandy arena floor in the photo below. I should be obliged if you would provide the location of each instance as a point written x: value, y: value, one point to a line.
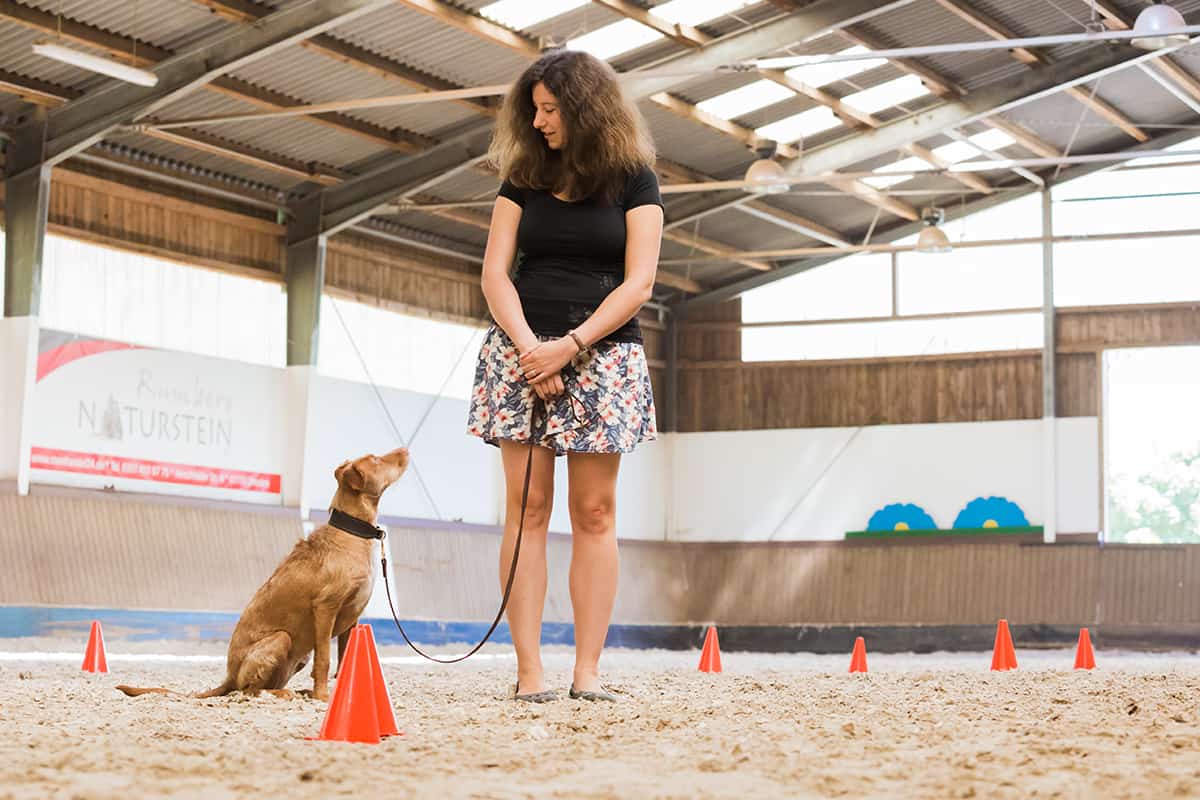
x: 933, y: 726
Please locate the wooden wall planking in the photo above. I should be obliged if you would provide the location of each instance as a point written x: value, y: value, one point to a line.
x: 111, y: 213
x: 104, y: 212
x: 720, y: 392
x: 92, y: 207
x: 110, y: 551
x: 113, y: 552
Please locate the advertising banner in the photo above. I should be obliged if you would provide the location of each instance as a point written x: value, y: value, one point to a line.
x: 119, y: 416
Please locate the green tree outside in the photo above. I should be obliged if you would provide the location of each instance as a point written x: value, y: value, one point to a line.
x: 1162, y: 506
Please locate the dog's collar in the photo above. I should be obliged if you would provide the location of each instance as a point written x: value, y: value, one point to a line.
x: 359, y: 527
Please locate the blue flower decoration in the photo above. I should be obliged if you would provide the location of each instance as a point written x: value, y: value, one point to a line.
x: 901, y: 517
x: 991, y: 512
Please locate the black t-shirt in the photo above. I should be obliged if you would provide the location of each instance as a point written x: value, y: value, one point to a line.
x: 571, y: 255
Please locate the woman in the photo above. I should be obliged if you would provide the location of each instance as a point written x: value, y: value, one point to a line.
x: 580, y: 211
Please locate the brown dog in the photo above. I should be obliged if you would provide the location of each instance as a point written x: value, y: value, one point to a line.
x: 318, y: 592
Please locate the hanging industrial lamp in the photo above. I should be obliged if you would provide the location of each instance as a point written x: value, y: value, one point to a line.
x: 1153, y: 24
x: 933, y: 239
x: 766, y: 175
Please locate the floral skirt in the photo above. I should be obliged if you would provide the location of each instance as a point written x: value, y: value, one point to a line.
x: 608, y: 406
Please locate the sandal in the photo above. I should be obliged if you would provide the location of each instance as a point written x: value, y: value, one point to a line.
x: 600, y: 694
x: 544, y: 696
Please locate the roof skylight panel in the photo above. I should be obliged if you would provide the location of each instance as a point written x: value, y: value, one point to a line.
x: 745, y: 99
x: 992, y: 139
x: 825, y: 74
x: 956, y: 151
x: 697, y: 12
x: 887, y: 95
x: 885, y: 180
x: 797, y: 126
x: 521, y: 14
x: 625, y: 35
x: 612, y: 40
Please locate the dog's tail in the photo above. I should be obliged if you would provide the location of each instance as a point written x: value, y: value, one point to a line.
x: 222, y: 690
x: 137, y: 691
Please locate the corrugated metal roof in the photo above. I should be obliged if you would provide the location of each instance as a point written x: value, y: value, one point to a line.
x: 921, y: 24
x: 467, y: 185
x: 302, y: 72
x: 301, y: 138
x: 16, y: 43
x: 433, y: 46
x: 1138, y: 97
x: 189, y: 155
x: 584, y: 19
x: 745, y: 232
x: 466, y: 235
x: 846, y: 214
x: 1054, y: 119
x: 405, y: 36
x: 168, y: 24
x: 693, y: 145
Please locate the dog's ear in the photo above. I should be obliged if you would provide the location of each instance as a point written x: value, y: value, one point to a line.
x: 350, y: 476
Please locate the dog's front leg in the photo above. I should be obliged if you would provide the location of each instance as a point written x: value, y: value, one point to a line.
x: 324, y: 615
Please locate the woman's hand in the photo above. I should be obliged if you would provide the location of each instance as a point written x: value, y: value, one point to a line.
x: 547, y: 359
x: 550, y: 387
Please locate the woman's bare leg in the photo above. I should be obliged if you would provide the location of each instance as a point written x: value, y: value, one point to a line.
x: 592, y: 497
x: 528, y: 598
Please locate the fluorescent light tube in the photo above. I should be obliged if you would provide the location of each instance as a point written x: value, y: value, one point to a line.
x: 94, y: 63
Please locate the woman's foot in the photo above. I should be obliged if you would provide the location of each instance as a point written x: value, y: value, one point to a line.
x: 544, y: 696
x: 600, y: 693
x: 586, y: 686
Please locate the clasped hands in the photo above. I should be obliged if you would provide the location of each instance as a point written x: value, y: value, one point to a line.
x: 542, y: 365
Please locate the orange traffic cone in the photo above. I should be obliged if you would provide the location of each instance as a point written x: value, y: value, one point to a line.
x: 94, y: 659
x: 383, y: 701
x: 1004, y: 656
x: 710, y: 656
x: 858, y: 659
x: 1084, y: 657
x: 352, y: 716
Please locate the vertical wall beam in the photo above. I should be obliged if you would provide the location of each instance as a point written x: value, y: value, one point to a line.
x: 26, y: 210
x: 670, y: 402
x: 304, y: 276
x: 1049, y: 393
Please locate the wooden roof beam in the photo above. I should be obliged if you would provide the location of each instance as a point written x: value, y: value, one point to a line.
x: 1033, y: 58
x: 950, y: 91
x: 51, y: 96
x: 476, y: 25
x: 677, y: 173
x: 685, y: 35
x: 246, y: 12
x: 692, y: 113
x: 122, y: 47
x: 861, y: 119
x: 1115, y: 20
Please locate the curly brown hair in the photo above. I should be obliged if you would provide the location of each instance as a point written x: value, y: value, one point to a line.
x: 607, y: 139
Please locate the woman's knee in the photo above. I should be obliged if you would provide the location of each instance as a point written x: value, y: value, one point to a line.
x: 537, y: 508
x: 594, y: 516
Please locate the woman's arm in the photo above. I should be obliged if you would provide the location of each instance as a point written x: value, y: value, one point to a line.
x: 643, y: 239
x: 498, y: 289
